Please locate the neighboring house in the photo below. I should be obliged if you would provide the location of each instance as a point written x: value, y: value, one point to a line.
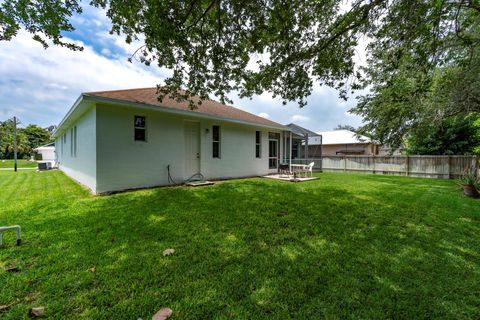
x: 341, y: 142
x: 125, y: 139
x: 46, y: 154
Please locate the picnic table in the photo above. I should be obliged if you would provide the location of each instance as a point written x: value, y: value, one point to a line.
x: 301, y: 168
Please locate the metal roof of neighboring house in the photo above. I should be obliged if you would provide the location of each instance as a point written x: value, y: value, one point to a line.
x: 339, y: 137
x: 209, y: 107
x: 49, y: 146
x: 301, y: 131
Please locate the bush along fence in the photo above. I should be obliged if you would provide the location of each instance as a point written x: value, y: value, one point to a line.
x: 446, y: 167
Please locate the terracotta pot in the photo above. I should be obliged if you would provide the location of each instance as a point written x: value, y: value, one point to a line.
x: 470, y: 191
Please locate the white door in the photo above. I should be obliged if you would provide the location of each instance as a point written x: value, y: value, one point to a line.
x: 192, y: 148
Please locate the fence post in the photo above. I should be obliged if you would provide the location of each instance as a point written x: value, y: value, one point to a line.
x: 477, y: 169
x: 373, y: 157
x: 449, y: 159
x: 407, y: 165
x: 344, y: 163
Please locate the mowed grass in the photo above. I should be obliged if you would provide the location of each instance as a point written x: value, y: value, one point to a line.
x: 343, y: 246
x: 9, y: 164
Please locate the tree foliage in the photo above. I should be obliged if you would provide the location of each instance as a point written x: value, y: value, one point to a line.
x: 476, y: 128
x: 36, y: 136
x: 344, y: 127
x: 452, y: 136
x: 284, y: 47
x: 28, y: 138
x: 423, y: 77
x: 413, y: 105
x: 43, y: 19
x: 211, y: 44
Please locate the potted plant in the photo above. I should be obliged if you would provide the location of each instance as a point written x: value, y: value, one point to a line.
x: 469, y: 181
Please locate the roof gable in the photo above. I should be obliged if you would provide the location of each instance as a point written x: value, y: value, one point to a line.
x: 212, y: 108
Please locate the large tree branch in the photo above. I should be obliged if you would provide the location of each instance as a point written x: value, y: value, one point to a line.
x: 192, y: 5
x: 364, y: 17
x: 210, y: 6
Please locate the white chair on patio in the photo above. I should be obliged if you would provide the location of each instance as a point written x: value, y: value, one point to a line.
x: 309, y: 169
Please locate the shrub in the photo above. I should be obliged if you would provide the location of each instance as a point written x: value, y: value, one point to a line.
x: 469, y: 178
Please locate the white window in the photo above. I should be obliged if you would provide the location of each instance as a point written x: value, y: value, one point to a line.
x: 140, y: 128
x: 216, y: 141
x: 73, y: 142
x: 62, y: 139
x: 273, y: 152
x: 258, y: 144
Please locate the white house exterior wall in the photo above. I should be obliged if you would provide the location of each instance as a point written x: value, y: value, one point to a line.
x: 81, y: 167
x: 237, y: 151
x: 123, y: 163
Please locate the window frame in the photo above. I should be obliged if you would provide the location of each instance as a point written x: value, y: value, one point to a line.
x: 63, y: 140
x: 274, y: 137
x: 138, y: 127
x: 75, y: 141
x: 258, y: 144
x: 71, y: 142
x: 216, y: 142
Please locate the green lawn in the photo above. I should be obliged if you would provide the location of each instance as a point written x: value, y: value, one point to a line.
x: 343, y: 246
x: 20, y: 164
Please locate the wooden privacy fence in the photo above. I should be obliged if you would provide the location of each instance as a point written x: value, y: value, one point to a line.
x: 446, y: 167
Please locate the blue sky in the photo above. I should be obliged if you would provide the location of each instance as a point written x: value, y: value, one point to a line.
x: 39, y: 86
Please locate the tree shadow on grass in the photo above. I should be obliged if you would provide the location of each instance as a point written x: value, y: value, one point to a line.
x: 258, y: 249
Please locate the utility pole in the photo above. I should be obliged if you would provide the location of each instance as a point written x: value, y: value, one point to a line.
x: 15, y: 143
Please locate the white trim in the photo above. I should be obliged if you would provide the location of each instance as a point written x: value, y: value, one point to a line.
x: 75, y: 105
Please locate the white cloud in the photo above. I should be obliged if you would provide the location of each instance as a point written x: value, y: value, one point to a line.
x: 43, y: 84
x: 56, y: 86
x: 255, y: 58
x: 107, y: 39
x: 298, y: 118
x: 264, y: 115
x: 91, y: 17
x: 268, y: 98
x: 106, y: 52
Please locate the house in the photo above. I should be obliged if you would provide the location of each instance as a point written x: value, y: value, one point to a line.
x: 126, y: 139
x: 341, y: 142
x: 46, y: 154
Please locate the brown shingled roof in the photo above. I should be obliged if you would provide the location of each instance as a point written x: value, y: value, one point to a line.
x: 210, y: 107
